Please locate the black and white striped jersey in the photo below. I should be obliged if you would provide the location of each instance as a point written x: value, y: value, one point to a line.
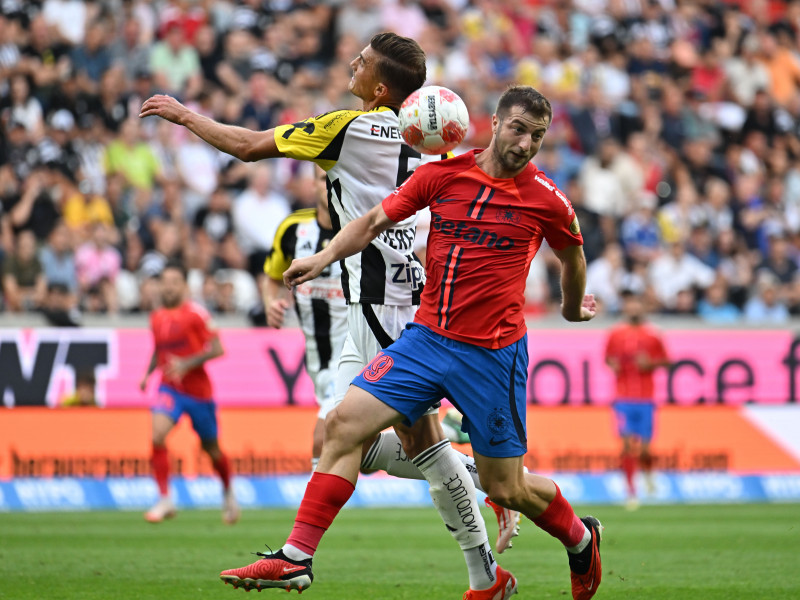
x: 365, y: 160
x: 320, y: 303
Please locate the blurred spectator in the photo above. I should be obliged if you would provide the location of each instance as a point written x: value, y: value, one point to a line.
x: 132, y: 158
x: 257, y: 212
x: 175, y: 64
x: 639, y: 231
x: 167, y: 247
x: 24, y: 284
x: 97, y: 264
x: 58, y: 260
x: 677, y: 271
x: 35, y: 209
x: 783, y: 67
x: 766, y: 306
x: 59, y: 307
x: 611, y: 181
x: 605, y: 278
x: 128, y: 51
x: 715, y: 306
x: 92, y: 58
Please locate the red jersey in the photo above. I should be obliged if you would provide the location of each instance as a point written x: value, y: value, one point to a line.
x: 183, y: 331
x: 625, y: 343
x: 484, y: 233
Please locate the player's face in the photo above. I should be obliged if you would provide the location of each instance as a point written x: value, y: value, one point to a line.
x: 517, y: 138
x: 173, y: 286
x: 364, y: 79
x: 633, y: 308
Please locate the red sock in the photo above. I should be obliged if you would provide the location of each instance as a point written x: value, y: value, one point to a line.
x: 325, y: 496
x: 223, y: 469
x: 560, y: 521
x: 628, y: 463
x: 160, y: 463
x: 646, y: 462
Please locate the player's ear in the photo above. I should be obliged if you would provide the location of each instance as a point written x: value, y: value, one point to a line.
x: 381, y: 91
x: 495, y: 123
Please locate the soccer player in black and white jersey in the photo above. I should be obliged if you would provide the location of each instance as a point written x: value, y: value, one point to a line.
x: 365, y: 160
x: 320, y: 305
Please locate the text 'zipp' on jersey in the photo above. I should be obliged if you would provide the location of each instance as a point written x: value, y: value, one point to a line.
x: 365, y: 159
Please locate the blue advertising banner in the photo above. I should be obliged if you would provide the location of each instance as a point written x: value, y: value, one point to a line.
x: 138, y: 493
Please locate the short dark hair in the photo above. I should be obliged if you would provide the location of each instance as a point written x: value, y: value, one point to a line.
x: 401, y: 63
x: 176, y: 265
x: 530, y: 99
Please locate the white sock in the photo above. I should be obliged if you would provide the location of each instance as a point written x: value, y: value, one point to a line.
x: 386, y: 454
x: 585, y: 541
x: 481, y: 566
x: 294, y: 553
x: 453, y: 494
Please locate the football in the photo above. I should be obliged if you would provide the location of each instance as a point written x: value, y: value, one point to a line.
x: 433, y: 120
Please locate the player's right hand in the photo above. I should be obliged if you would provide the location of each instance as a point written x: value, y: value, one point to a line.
x: 275, y: 312
x: 302, y: 270
x: 165, y: 107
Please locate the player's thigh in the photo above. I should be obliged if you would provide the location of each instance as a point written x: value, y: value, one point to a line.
x: 203, y: 414
x: 359, y: 416
x: 489, y: 388
x: 166, y: 412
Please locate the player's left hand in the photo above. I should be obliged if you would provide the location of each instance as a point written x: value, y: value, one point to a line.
x: 588, y: 308
x: 302, y: 270
x: 165, y: 107
x: 176, y: 368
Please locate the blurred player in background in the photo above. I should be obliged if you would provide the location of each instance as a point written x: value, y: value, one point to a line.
x: 365, y: 160
x: 633, y: 351
x: 490, y: 209
x: 320, y: 304
x: 184, y: 339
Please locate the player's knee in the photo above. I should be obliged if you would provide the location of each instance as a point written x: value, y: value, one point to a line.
x: 504, y: 493
x: 339, y: 431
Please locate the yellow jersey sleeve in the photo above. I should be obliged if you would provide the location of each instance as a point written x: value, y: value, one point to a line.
x: 318, y: 139
x: 282, y: 253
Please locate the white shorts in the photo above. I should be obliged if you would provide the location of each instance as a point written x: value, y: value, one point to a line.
x: 371, y: 327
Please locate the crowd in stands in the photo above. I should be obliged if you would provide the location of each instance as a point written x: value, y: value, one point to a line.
x: 676, y: 135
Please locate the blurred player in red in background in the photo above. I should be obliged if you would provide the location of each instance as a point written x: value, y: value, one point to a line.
x: 633, y: 351
x: 184, y: 338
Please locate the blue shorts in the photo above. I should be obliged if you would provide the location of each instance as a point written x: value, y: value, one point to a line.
x: 488, y: 387
x: 203, y: 413
x: 635, y: 418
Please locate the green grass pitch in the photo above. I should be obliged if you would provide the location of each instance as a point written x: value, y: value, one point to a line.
x: 730, y: 552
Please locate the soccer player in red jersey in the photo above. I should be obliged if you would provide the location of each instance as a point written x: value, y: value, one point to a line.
x: 490, y: 211
x: 184, y: 338
x: 633, y: 351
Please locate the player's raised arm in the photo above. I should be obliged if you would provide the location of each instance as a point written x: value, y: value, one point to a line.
x: 244, y: 144
x: 353, y: 238
x: 575, y: 306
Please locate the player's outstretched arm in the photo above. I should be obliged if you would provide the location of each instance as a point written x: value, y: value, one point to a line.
x: 353, y: 238
x: 576, y: 305
x: 244, y: 144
